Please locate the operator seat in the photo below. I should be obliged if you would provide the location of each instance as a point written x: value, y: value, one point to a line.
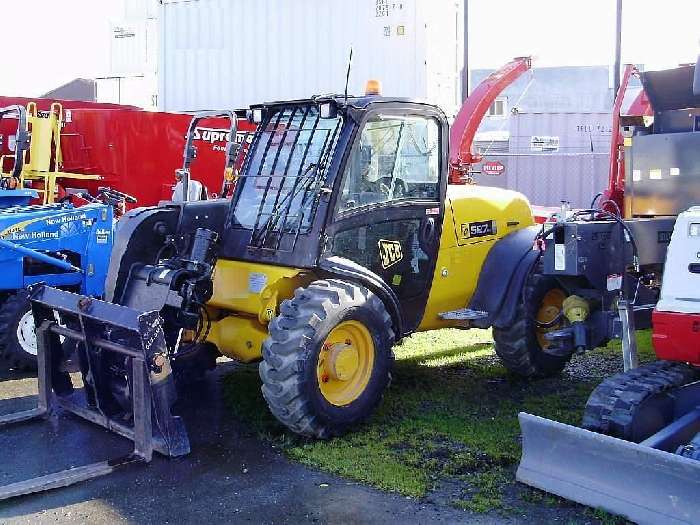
x: 197, y: 192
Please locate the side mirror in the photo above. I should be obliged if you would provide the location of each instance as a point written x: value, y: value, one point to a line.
x: 696, y: 79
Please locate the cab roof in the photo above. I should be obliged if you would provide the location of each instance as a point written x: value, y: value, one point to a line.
x: 359, y: 102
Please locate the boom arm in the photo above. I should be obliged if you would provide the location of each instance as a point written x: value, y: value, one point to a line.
x: 472, y: 112
x: 616, y: 182
x: 641, y: 106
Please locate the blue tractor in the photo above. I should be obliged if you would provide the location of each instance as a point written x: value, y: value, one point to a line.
x: 57, y: 244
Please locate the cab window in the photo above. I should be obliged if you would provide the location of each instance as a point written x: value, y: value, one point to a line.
x: 395, y: 159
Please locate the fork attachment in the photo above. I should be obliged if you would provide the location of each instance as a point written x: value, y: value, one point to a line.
x: 127, y: 382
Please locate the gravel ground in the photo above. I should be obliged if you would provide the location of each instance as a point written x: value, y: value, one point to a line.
x: 593, y: 366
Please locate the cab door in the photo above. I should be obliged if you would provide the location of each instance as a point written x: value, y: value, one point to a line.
x: 389, y: 201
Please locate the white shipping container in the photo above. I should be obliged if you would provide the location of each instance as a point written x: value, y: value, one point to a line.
x: 132, y: 77
x: 133, y: 46
x: 218, y: 54
x: 128, y: 50
x: 139, y: 91
x: 140, y: 9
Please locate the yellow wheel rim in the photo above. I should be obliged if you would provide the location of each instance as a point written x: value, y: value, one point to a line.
x: 550, y: 309
x: 345, y: 363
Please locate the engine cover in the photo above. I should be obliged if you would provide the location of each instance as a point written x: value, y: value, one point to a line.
x: 677, y: 336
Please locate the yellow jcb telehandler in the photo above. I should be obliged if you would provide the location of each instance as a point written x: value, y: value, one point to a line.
x: 342, y: 237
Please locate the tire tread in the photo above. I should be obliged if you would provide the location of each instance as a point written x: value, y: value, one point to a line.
x: 10, y: 351
x: 287, y: 348
x: 613, y: 405
x: 516, y: 346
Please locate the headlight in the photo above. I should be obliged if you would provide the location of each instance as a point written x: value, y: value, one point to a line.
x: 328, y: 110
x: 694, y: 230
x: 254, y: 116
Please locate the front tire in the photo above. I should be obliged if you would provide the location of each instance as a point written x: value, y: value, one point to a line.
x: 17, y: 332
x: 328, y: 358
x: 522, y: 345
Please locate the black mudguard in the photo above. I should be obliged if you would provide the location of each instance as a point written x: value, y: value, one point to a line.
x: 347, y: 269
x: 502, y: 277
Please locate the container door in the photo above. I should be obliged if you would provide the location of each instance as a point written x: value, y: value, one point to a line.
x: 387, y: 213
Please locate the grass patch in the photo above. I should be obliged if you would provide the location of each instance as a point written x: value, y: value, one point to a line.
x: 451, y: 413
x: 539, y: 497
x: 484, y: 492
x: 605, y: 518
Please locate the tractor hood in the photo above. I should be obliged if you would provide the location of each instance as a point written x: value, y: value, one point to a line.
x: 35, y: 224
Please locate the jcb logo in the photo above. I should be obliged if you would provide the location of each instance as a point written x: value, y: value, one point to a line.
x: 389, y: 252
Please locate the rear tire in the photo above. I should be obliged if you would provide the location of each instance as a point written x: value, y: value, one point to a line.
x: 518, y: 345
x: 17, y: 332
x: 330, y: 325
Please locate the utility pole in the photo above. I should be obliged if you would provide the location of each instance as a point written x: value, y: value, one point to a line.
x: 465, y: 51
x: 618, y: 48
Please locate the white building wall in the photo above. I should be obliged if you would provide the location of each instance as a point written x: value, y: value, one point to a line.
x: 232, y: 53
x: 132, y: 77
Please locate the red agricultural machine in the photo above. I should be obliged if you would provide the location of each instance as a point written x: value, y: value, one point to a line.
x: 472, y: 112
x: 639, y: 449
x: 136, y: 152
x: 463, y: 160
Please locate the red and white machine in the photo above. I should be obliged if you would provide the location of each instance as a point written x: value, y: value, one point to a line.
x: 637, y: 452
x: 676, y: 318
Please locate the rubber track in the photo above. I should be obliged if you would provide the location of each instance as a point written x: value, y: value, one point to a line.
x: 612, y: 406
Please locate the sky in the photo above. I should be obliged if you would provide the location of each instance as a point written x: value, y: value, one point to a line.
x: 70, y: 38
x: 656, y: 33
x: 50, y: 42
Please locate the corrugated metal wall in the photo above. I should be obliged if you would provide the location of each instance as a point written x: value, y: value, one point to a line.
x: 233, y: 53
x: 575, y: 171
x: 577, y: 132
x: 546, y: 180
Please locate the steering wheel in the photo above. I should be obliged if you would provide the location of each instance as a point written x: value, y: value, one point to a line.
x: 105, y: 192
x: 9, y: 183
x: 384, y: 186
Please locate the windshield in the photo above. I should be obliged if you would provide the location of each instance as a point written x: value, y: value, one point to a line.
x: 395, y: 158
x: 286, y: 169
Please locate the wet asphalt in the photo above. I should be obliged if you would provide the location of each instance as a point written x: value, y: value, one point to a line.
x: 229, y: 477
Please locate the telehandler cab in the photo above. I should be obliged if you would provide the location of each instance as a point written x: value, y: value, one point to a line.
x: 341, y: 238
